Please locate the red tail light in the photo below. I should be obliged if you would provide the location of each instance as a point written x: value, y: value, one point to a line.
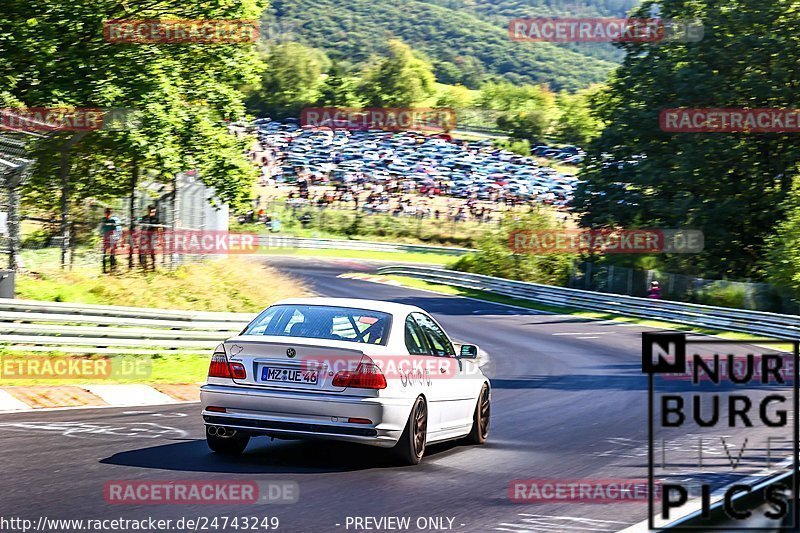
x: 367, y: 376
x: 220, y: 368
x: 237, y: 370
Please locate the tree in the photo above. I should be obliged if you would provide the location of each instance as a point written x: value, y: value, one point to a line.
x: 494, y: 256
x: 730, y: 186
x: 473, y: 71
x: 455, y: 96
x: 525, y: 125
x: 504, y: 96
x: 291, y: 80
x: 467, y: 42
x: 55, y: 55
x: 526, y: 112
x: 401, y: 79
x: 447, y: 72
x: 576, y: 123
x: 782, y: 259
x: 337, y: 89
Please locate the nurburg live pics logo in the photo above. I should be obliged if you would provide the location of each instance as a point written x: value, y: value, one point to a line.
x: 729, y: 396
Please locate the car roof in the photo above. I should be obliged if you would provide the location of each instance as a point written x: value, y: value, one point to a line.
x: 372, y: 305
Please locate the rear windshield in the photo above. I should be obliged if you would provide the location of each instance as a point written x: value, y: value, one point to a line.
x: 322, y: 322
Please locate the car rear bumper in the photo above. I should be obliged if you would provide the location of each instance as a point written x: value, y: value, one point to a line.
x: 306, y: 415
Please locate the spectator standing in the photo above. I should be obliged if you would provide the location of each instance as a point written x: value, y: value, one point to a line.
x: 149, y: 226
x: 110, y: 232
x: 655, y: 291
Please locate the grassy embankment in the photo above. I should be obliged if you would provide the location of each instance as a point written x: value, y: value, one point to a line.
x: 578, y: 313
x: 230, y: 285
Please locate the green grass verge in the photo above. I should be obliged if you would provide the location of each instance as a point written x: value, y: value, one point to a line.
x: 233, y: 284
x: 348, y: 224
x: 559, y: 310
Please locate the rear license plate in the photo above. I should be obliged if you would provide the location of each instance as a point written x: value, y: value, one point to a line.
x: 285, y: 375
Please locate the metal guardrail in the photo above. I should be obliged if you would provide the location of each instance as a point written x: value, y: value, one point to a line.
x: 12, y: 304
x: 285, y: 241
x: 33, y: 326
x: 753, y: 322
x: 721, y: 318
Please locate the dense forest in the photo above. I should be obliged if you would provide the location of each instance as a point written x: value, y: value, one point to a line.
x: 467, y: 42
x: 741, y: 189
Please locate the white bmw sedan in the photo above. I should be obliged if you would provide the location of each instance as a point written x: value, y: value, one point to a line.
x: 364, y: 371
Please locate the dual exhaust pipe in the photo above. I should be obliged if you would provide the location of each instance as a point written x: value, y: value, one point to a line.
x: 219, y: 431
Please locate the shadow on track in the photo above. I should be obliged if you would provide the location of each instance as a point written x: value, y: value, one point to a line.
x: 625, y: 382
x: 589, y: 382
x: 263, y: 456
x: 564, y: 319
x: 455, y: 306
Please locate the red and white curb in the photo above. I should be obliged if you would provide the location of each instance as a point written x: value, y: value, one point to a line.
x: 17, y: 399
x: 371, y: 278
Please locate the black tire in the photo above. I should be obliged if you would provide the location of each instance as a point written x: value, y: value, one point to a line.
x: 481, y: 417
x: 411, y: 446
x: 227, y: 445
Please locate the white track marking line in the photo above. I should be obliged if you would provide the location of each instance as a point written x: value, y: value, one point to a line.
x: 574, y: 518
x: 79, y: 429
x: 536, y: 522
x: 527, y: 309
x: 75, y: 407
x: 576, y: 334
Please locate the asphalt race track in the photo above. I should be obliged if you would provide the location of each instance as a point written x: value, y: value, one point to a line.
x: 569, y: 401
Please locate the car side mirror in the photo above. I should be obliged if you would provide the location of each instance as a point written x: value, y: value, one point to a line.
x: 469, y: 351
